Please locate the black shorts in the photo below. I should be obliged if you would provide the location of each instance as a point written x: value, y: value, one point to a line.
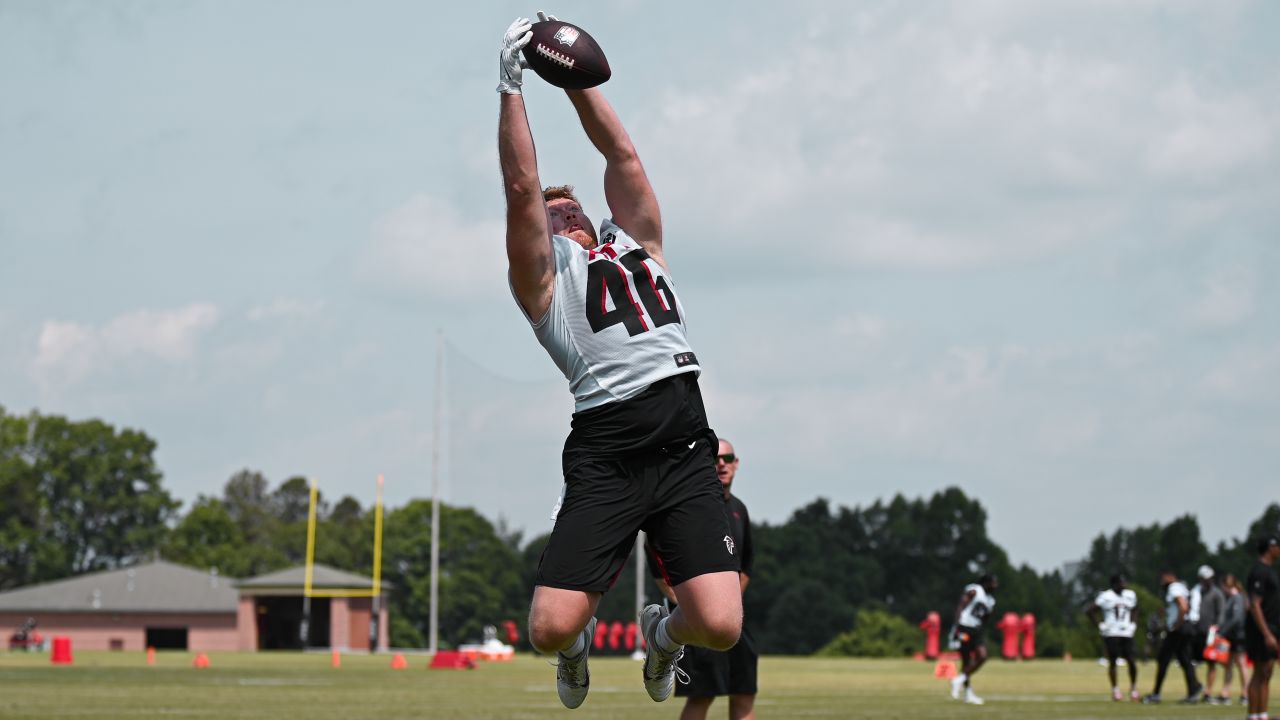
x: 1255, y: 645
x: 646, y: 463
x: 1118, y: 647
x: 712, y: 673
x: 970, y: 639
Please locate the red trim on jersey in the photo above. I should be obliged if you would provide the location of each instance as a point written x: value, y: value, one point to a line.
x: 657, y: 560
x: 662, y: 299
x: 604, y: 296
x: 609, y: 252
x: 639, y: 310
x: 613, y: 580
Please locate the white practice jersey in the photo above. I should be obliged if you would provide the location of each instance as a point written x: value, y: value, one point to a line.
x: 1117, y: 612
x: 1171, y: 594
x: 615, y: 326
x: 1193, y: 605
x: 979, y: 608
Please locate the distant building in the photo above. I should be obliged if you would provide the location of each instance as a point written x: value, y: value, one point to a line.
x: 158, y: 604
x: 168, y: 606
x: 270, y: 611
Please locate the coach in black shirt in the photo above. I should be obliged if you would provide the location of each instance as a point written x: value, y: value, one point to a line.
x: 1262, y: 623
x: 733, y: 671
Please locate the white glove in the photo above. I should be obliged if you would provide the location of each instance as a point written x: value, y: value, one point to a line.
x: 510, y: 61
x: 543, y: 17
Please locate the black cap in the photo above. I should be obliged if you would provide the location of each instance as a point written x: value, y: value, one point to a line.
x: 1264, y: 542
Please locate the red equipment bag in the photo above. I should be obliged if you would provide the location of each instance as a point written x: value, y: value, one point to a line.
x: 1217, y: 649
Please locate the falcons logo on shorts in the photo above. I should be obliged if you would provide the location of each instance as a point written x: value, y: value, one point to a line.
x: 728, y: 544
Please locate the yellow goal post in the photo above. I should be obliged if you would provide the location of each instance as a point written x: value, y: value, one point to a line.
x: 308, y: 590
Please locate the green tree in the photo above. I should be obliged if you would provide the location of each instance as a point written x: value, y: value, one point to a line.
x: 248, y: 501
x: 21, y: 510
x: 480, y: 574
x: 208, y: 537
x: 79, y: 496
x: 344, y: 538
x: 875, y: 633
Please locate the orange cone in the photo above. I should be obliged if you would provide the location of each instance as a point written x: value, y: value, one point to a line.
x: 201, y: 661
x: 1066, y: 657
x: 151, y: 656
x: 945, y: 669
x: 336, y: 660
x: 398, y: 662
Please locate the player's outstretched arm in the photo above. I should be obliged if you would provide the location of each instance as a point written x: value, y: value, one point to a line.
x: 626, y: 186
x: 529, y: 253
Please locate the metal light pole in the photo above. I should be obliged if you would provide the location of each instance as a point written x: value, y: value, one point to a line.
x: 433, y: 643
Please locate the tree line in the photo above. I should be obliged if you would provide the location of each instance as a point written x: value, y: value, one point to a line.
x: 81, y: 496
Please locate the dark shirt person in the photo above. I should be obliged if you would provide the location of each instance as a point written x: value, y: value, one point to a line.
x: 1179, y: 635
x: 1262, y: 624
x: 731, y: 672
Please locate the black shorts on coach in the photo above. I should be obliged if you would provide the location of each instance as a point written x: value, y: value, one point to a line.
x: 1255, y: 645
x: 645, y: 463
x: 712, y: 673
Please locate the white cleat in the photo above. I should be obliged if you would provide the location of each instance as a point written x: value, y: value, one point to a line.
x: 659, y: 668
x: 957, y: 685
x: 573, y: 680
x: 971, y: 699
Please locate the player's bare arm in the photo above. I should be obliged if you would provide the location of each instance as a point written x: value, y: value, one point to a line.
x: 1092, y: 612
x: 965, y: 599
x: 529, y: 253
x: 1260, y: 620
x: 626, y: 186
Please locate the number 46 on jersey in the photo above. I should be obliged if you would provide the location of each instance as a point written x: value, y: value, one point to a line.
x: 611, y: 276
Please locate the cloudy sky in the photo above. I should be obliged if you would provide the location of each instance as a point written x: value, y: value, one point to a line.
x: 1029, y: 249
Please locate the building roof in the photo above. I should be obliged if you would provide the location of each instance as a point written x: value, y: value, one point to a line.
x: 159, y: 587
x: 322, y: 576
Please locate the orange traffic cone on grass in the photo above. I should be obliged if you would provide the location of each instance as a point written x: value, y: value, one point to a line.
x: 945, y: 669
x: 336, y: 660
x: 201, y: 661
x: 398, y: 662
x: 151, y: 656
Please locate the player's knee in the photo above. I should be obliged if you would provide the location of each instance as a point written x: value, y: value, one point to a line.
x: 722, y: 632
x: 548, y: 634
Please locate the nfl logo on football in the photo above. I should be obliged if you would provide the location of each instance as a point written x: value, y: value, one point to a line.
x: 566, y: 35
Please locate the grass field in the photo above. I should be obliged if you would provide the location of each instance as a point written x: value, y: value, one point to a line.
x: 294, y: 686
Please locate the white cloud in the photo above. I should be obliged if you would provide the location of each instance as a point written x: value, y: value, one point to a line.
x: 948, y: 141
x: 1207, y: 137
x: 425, y: 247
x: 1227, y: 299
x: 70, y: 351
x: 287, y: 309
x: 1245, y: 375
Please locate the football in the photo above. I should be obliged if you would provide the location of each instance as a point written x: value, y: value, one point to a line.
x: 564, y: 55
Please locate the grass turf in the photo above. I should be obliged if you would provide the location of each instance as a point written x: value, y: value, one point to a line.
x: 296, y: 686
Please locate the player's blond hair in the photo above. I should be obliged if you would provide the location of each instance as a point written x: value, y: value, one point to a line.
x: 559, y: 192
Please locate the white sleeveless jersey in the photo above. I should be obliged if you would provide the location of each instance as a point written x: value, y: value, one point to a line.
x: 979, y: 608
x: 615, y: 326
x: 1117, y: 612
x: 1171, y: 594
